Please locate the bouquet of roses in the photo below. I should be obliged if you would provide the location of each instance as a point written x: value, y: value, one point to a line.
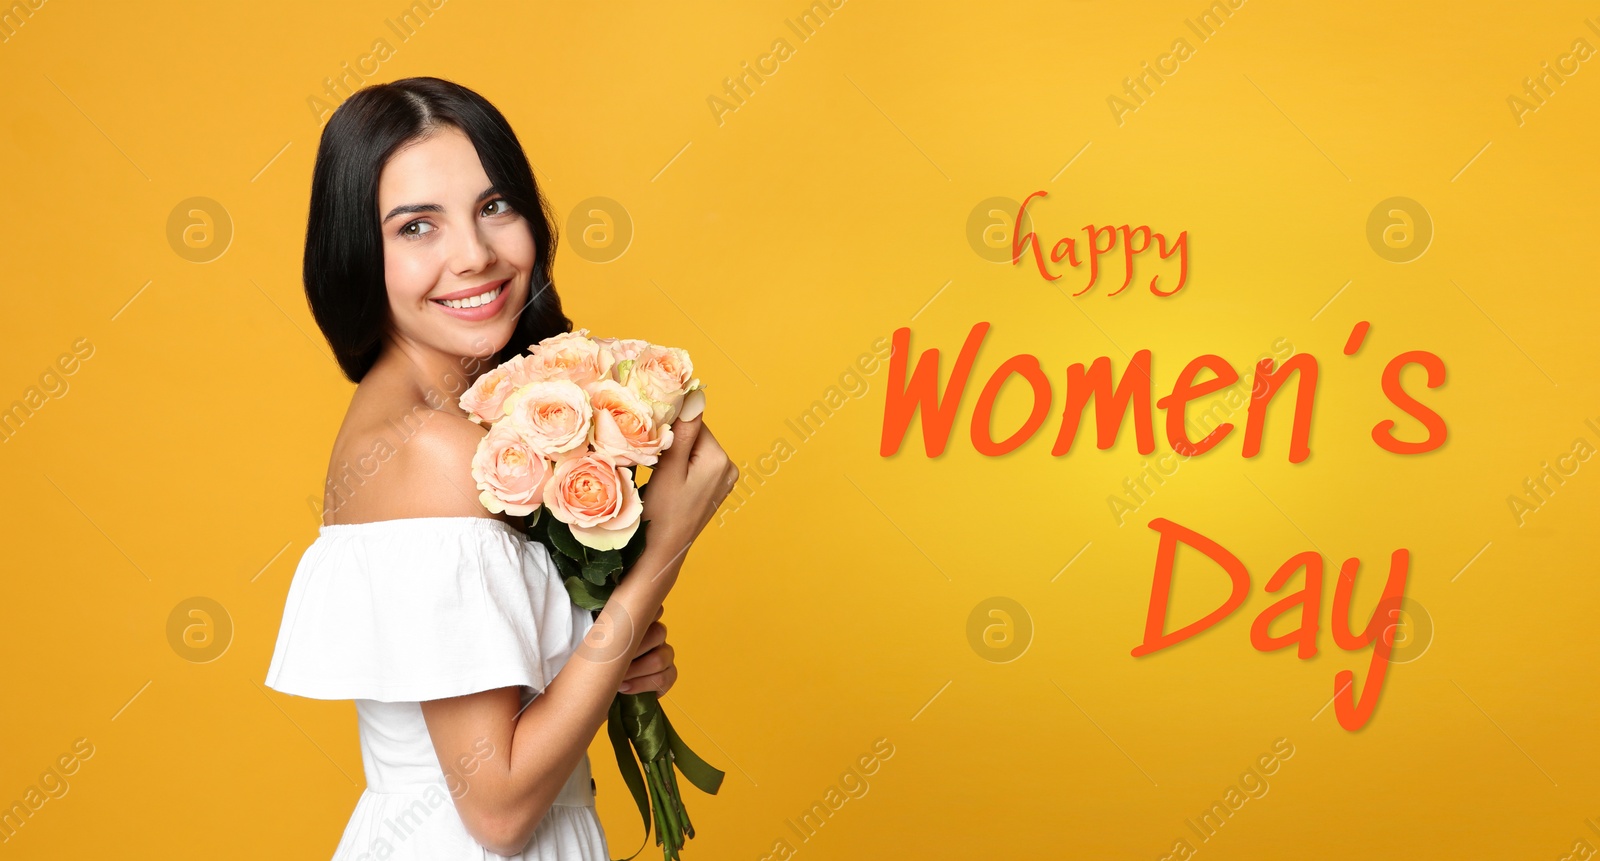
x: 568, y: 423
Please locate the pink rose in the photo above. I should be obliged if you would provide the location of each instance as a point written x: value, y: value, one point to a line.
x: 662, y: 376
x: 596, y: 498
x: 569, y: 356
x: 624, y: 425
x: 553, y: 417
x: 484, y: 402
x: 511, y: 476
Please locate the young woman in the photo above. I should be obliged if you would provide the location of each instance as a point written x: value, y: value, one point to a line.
x: 478, y: 684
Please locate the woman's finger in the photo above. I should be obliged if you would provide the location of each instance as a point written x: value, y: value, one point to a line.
x: 659, y: 682
x: 654, y: 636
x: 685, y: 432
x: 651, y: 661
x: 643, y: 669
x: 705, y: 445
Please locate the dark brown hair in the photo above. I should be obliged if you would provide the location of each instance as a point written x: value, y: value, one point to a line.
x: 343, y: 266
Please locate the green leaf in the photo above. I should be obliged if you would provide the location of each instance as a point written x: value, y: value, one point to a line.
x: 567, y: 567
x: 539, y: 526
x: 700, y: 773
x: 584, y: 594
x: 629, y: 767
x: 561, y: 538
x: 602, y: 564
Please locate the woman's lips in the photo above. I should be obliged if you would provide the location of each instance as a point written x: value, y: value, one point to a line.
x: 481, y: 312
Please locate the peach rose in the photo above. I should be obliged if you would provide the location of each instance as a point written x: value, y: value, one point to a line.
x: 596, y: 498
x: 569, y: 356
x: 553, y: 417
x: 662, y: 376
x: 511, y: 476
x: 485, y: 401
x: 624, y: 425
x: 623, y: 349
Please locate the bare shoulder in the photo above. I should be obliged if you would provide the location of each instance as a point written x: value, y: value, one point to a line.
x: 433, y: 475
x: 425, y: 470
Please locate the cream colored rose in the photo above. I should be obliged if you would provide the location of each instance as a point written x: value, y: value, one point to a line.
x: 596, y: 498
x: 510, y: 475
x: 569, y: 356
x: 662, y: 376
x: 553, y: 417
x: 624, y: 425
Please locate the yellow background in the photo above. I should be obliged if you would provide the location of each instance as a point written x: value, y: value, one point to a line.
x: 830, y: 609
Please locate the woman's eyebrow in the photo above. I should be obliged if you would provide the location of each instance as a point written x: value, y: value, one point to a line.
x: 430, y: 207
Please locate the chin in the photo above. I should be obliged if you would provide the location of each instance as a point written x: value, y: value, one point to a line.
x: 485, y: 344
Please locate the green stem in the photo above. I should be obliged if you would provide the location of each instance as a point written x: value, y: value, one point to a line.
x: 669, y: 828
x: 683, y: 811
x: 669, y: 779
x: 655, y: 805
x: 669, y: 805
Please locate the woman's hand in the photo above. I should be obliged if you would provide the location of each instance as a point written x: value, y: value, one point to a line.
x: 652, y: 668
x: 687, y: 485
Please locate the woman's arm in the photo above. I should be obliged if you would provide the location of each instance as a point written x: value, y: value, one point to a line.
x: 533, y: 752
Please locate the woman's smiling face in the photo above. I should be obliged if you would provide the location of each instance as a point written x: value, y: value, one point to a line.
x: 448, y: 235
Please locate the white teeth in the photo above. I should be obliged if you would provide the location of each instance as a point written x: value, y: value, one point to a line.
x: 474, y: 301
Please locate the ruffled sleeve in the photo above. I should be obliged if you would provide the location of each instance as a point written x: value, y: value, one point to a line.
x: 423, y: 608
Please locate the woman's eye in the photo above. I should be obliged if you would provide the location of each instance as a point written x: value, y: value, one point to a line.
x: 414, y: 230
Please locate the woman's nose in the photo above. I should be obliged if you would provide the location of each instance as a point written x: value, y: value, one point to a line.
x: 473, y: 252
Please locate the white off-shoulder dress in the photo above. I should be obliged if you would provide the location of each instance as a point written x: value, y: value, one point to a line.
x: 394, y: 612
